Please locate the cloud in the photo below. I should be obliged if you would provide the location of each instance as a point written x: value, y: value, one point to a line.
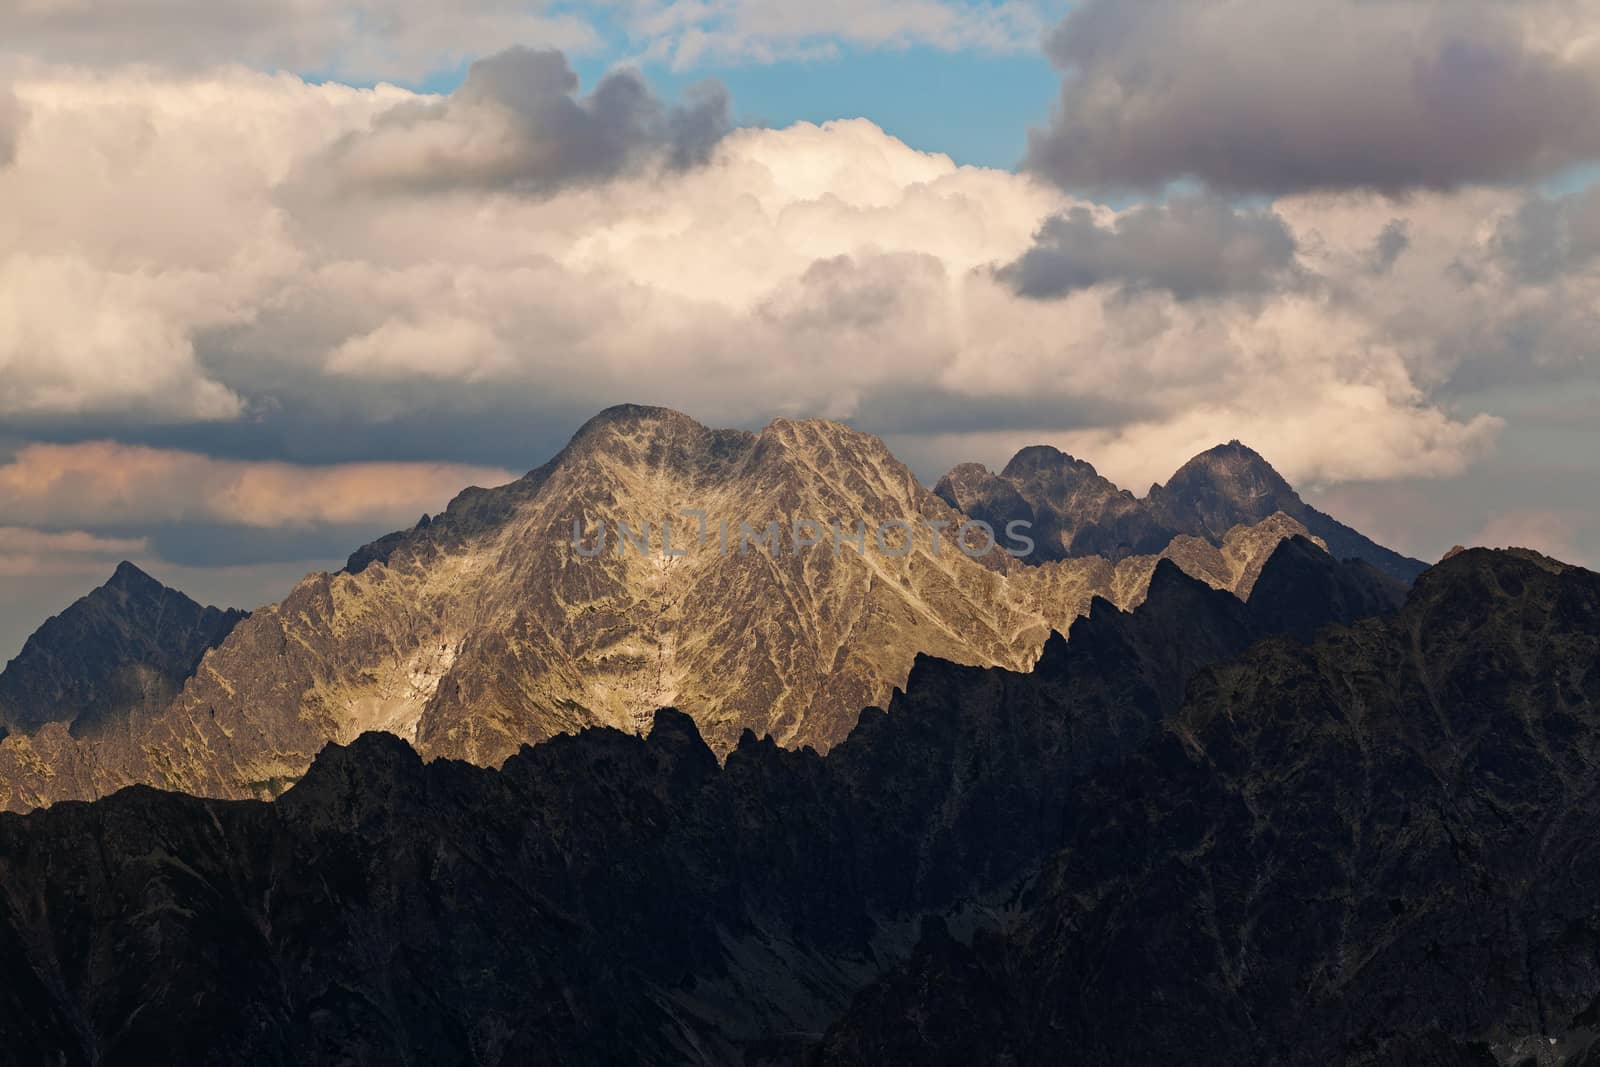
x: 1390, y: 246
x: 517, y: 124
x: 1340, y: 433
x: 29, y: 552
x: 245, y: 304
x: 11, y: 119
x: 687, y: 33
x: 1260, y: 96
x: 1552, y: 533
x: 363, y: 39
x: 101, y: 484
x: 77, y: 337
x: 407, y: 40
x: 1550, y: 237
x: 1191, y: 247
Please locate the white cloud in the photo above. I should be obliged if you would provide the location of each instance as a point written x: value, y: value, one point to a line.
x: 815, y: 270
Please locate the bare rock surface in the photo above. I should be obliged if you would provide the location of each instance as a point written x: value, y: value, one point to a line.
x: 484, y: 628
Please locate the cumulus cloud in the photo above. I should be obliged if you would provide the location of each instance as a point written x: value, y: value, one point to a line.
x: 101, y: 484
x: 1191, y: 247
x: 1261, y: 96
x: 518, y: 123
x: 809, y: 270
x: 1549, y: 237
x: 1390, y: 246
x: 76, y: 337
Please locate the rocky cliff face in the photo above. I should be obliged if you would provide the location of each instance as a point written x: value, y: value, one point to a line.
x: 601, y: 898
x: 484, y: 628
x: 1082, y: 513
x: 125, y: 648
x: 1378, y: 849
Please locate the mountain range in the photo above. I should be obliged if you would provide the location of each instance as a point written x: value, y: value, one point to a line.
x: 639, y: 900
x: 1077, y: 512
x: 1203, y: 777
x: 1184, y: 836
x: 485, y: 627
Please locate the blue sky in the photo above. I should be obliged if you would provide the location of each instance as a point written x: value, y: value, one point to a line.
x: 975, y: 107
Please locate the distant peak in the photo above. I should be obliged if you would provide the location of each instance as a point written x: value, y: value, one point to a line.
x: 633, y: 415
x: 1233, y: 452
x: 1048, y: 458
x: 1238, y: 472
x: 128, y: 576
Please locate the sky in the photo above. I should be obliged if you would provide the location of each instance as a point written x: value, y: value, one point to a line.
x: 278, y: 276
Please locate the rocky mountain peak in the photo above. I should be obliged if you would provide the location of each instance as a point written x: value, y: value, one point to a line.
x: 129, y: 579
x: 488, y: 627
x: 124, y: 647
x: 1081, y: 513
x: 610, y: 898
x: 1049, y: 461
x: 1221, y: 488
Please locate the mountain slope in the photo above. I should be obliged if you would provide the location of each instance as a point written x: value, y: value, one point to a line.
x: 484, y: 628
x: 602, y: 898
x: 1378, y: 849
x: 1081, y: 513
x: 125, y: 647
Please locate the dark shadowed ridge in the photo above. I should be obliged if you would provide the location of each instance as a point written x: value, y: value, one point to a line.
x: 1374, y: 849
x: 125, y: 647
x: 601, y: 898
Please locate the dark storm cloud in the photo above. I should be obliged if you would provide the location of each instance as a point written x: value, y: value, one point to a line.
x: 1551, y: 237
x: 518, y: 123
x: 1260, y: 96
x: 1192, y: 248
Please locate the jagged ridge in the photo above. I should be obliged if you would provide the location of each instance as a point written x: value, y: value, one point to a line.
x: 602, y: 898
x: 1378, y: 849
x: 483, y: 629
x: 1081, y: 513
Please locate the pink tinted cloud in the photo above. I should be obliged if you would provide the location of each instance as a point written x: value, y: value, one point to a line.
x: 102, y: 483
